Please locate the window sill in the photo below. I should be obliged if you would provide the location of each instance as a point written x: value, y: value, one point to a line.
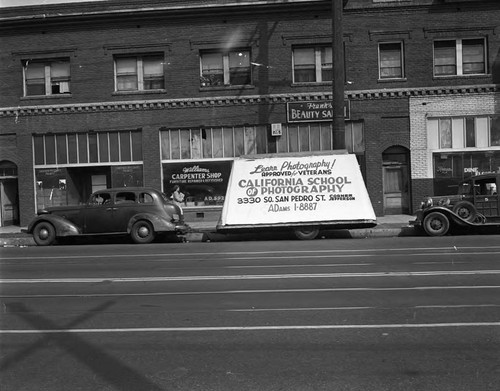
x: 227, y: 87
x: 55, y: 96
x: 139, y: 92
x: 395, y: 80
x: 462, y: 77
x: 313, y: 83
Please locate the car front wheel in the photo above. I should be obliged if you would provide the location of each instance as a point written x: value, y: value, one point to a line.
x: 142, y: 232
x: 44, y: 234
x: 436, y: 224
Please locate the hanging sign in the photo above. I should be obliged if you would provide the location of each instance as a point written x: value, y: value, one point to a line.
x: 312, y: 111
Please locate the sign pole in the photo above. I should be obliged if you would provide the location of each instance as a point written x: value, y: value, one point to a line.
x: 338, y: 71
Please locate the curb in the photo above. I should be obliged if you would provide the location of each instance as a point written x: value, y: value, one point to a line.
x: 210, y: 235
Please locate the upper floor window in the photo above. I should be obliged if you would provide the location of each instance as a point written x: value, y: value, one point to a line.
x: 391, y: 64
x: 139, y: 73
x: 460, y: 57
x: 46, y: 77
x: 231, y: 68
x: 312, y: 64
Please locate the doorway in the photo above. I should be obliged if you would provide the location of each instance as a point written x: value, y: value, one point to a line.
x: 9, y: 194
x: 396, y: 180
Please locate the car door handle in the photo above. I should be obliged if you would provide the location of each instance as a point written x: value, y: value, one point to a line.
x: 111, y: 209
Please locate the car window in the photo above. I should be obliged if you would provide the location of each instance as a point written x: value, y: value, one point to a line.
x: 145, y: 198
x: 125, y: 196
x: 100, y: 199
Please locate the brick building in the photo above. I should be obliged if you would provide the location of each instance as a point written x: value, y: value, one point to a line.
x: 158, y: 93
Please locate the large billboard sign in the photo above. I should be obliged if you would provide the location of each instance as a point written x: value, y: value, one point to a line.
x: 296, y: 189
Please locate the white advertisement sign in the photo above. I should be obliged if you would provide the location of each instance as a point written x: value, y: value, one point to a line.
x: 280, y: 190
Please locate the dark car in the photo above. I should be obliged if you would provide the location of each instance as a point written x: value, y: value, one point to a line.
x: 140, y: 212
x: 476, y: 204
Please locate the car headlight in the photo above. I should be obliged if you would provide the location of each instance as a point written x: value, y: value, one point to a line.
x: 444, y: 202
x: 427, y: 203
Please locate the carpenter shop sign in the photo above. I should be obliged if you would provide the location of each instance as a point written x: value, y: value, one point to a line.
x: 203, y: 183
x: 312, y: 111
x: 296, y: 189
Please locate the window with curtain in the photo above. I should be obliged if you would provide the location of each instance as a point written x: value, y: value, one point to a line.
x: 139, y: 73
x: 46, y: 77
x: 232, y: 68
x: 312, y: 64
x: 391, y: 60
x: 460, y: 57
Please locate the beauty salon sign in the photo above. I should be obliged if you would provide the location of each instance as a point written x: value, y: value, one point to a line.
x: 313, y: 111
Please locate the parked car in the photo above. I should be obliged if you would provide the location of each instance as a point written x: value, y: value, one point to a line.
x: 475, y: 205
x: 140, y: 212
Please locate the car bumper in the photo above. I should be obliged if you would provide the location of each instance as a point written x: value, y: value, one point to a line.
x: 182, y: 228
x: 418, y: 218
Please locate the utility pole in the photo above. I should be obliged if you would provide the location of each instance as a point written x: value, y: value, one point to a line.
x: 338, y: 75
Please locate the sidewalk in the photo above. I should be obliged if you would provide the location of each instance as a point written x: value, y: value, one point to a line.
x: 387, y: 226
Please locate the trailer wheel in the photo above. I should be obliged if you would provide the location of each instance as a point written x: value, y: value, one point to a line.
x: 306, y: 233
x: 465, y: 210
x: 436, y: 224
x: 44, y: 234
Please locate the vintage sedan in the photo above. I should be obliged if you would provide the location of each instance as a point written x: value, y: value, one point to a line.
x: 141, y: 213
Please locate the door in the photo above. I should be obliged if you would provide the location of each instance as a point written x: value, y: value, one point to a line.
x: 396, y: 180
x: 100, y: 215
x: 9, y: 212
x: 396, y: 189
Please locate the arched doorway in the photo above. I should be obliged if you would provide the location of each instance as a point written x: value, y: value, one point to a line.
x: 9, y: 194
x: 396, y: 180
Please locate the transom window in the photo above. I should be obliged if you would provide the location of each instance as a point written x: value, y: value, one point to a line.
x: 391, y: 65
x: 139, y: 73
x: 464, y: 132
x: 46, y: 77
x: 78, y: 148
x: 231, y: 68
x: 459, y: 57
x: 312, y: 64
x: 229, y: 142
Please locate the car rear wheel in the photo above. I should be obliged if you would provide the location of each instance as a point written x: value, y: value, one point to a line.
x: 465, y: 210
x: 44, y: 234
x: 142, y: 232
x: 306, y: 233
x: 436, y: 224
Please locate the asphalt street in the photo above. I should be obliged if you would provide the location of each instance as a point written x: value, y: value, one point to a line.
x: 412, y: 313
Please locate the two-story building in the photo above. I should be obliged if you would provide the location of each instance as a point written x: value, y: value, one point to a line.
x: 159, y: 93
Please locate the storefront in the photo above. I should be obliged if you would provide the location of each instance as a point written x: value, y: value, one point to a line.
x: 69, y: 167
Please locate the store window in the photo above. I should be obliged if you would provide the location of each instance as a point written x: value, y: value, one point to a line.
x: 452, y: 168
x: 46, y: 77
x: 459, y: 57
x: 312, y: 64
x: 231, y: 68
x: 82, y: 148
x: 391, y: 63
x: 139, y: 73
